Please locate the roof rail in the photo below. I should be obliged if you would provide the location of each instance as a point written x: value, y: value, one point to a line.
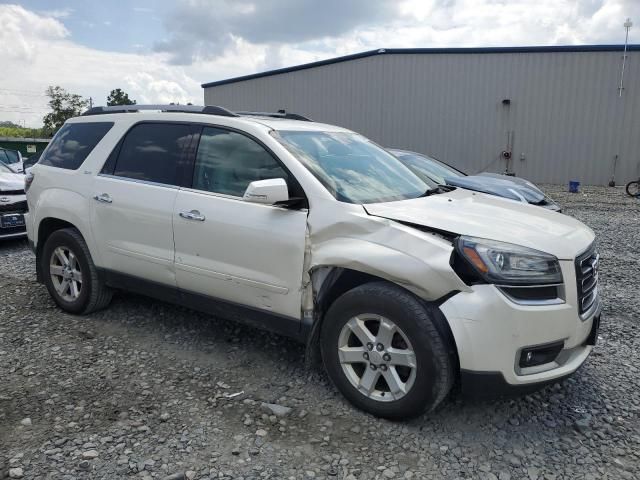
x: 278, y: 114
x: 208, y: 110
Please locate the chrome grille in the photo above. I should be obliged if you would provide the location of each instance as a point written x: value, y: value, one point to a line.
x: 17, y: 207
x: 587, y: 277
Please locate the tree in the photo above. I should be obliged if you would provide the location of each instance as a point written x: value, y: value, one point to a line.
x: 64, y: 105
x: 17, y: 131
x: 9, y: 124
x: 119, y: 97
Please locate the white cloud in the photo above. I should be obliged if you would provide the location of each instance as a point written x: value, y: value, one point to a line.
x: 16, y: 42
x: 36, y: 52
x: 153, y: 90
x: 57, y: 13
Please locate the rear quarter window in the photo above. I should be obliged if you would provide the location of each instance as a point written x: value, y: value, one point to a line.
x: 73, y: 144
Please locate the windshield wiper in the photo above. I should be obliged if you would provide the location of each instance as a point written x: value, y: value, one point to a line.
x: 431, y: 191
x: 437, y: 190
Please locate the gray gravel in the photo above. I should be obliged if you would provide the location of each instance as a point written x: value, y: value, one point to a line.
x: 150, y: 390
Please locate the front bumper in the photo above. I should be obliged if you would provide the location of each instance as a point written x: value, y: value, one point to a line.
x: 18, y: 233
x: 491, y: 332
x: 15, y: 205
x: 487, y: 385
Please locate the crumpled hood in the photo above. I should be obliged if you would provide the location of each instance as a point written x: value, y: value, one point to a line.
x: 11, y: 181
x: 468, y: 213
x: 503, y: 187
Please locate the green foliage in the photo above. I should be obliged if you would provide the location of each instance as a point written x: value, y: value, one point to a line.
x: 119, y: 97
x: 7, y: 123
x: 64, y: 105
x: 17, y: 131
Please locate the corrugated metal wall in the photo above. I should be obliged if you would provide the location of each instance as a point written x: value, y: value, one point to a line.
x: 565, y: 114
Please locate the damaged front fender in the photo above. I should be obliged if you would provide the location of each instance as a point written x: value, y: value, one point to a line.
x: 414, y: 259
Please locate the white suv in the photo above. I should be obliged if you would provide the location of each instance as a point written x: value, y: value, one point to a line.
x: 310, y: 230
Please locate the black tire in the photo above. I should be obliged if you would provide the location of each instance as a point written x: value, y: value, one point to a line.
x: 435, y: 360
x: 94, y: 295
x: 633, y: 188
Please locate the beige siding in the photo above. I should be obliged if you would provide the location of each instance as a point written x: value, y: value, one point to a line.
x: 565, y: 112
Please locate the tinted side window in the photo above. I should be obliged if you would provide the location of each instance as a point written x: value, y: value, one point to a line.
x: 153, y: 152
x: 227, y: 162
x: 73, y: 143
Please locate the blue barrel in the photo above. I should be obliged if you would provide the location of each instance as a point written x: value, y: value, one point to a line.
x: 574, y: 186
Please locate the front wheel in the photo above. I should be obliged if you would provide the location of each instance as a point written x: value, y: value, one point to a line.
x: 633, y: 189
x: 382, y: 350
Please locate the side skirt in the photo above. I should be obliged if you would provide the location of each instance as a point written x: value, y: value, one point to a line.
x: 261, y: 319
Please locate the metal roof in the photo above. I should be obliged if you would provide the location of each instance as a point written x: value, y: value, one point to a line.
x: 433, y: 51
x: 24, y: 140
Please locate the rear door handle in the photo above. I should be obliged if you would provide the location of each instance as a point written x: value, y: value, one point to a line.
x: 193, y: 215
x: 104, y: 198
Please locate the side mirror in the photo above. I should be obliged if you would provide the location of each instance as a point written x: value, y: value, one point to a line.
x: 28, y: 163
x: 267, y: 192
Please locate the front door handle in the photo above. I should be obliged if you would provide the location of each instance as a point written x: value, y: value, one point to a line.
x: 193, y: 215
x: 104, y: 198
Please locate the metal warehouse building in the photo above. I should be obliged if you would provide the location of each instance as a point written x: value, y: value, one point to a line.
x: 559, y: 111
x: 26, y: 146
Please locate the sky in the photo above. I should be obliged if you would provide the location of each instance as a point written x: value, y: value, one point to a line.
x: 161, y: 51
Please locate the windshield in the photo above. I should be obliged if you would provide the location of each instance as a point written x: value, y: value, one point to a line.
x: 352, y: 168
x: 9, y: 156
x: 425, y: 166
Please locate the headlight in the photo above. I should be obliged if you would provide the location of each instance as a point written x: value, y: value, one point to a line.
x: 509, y: 264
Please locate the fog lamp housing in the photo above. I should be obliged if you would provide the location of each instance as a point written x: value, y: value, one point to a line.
x: 540, y: 355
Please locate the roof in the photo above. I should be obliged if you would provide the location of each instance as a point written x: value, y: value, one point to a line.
x: 24, y: 140
x: 196, y: 116
x: 432, y: 51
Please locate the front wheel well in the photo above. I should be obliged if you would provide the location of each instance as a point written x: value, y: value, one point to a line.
x: 338, y: 281
x: 46, y: 227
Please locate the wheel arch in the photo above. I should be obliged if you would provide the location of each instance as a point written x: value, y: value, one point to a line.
x: 44, y: 229
x: 330, y: 282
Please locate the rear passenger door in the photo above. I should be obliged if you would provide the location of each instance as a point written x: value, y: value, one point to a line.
x: 134, y: 197
x: 233, y: 250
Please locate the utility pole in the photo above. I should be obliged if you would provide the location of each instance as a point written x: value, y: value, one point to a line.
x: 627, y: 27
x: 616, y: 158
x: 90, y: 102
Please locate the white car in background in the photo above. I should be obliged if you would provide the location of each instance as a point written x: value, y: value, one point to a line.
x: 13, y: 203
x: 403, y: 287
x: 12, y: 159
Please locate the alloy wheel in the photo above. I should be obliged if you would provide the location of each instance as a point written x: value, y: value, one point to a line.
x: 66, y: 274
x: 377, y: 357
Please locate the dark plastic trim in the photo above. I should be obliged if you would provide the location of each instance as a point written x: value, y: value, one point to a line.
x: 207, y: 110
x: 254, y: 317
x: 278, y: 114
x: 432, y: 51
x: 477, y: 385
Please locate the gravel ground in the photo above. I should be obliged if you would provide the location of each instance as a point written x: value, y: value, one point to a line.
x: 149, y: 390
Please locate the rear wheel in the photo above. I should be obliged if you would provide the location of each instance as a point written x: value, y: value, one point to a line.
x: 633, y: 188
x: 382, y: 350
x: 70, y: 274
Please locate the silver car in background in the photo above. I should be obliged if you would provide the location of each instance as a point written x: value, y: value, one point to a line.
x: 505, y: 186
